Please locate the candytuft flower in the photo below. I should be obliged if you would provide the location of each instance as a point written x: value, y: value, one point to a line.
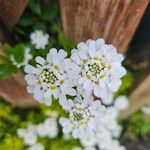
x: 84, y: 116
x: 49, y: 77
x: 100, y: 65
x: 121, y: 102
x: 39, y: 39
x: 26, y: 58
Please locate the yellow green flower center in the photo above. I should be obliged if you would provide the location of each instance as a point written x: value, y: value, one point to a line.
x: 48, y: 76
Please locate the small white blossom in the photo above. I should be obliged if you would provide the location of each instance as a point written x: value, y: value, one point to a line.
x: 108, y: 100
x: 146, y: 109
x: 100, y: 67
x: 36, y: 147
x: 84, y: 116
x: 29, y: 135
x: 49, y: 77
x: 48, y: 128
x: 26, y: 58
x: 88, y: 141
x: 39, y: 39
x: 121, y: 103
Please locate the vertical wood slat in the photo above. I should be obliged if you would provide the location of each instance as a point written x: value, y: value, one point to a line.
x: 139, y: 97
x: 113, y: 20
x: 10, y: 12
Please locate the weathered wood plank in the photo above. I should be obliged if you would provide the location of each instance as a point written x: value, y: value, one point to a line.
x: 10, y: 12
x: 113, y: 20
x: 139, y: 97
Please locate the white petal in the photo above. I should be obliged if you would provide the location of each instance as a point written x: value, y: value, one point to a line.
x: 82, y: 46
x: 48, y: 94
x: 30, y: 69
x: 97, y: 91
x: 40, y: 60
x: 62, y: 54
x: 87, y: 84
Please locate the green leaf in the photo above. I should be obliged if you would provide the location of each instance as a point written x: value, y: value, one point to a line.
x: 49, y: 12
x: 27, y: 20
x: 40, y: 26
x: 35, y: 6
x: 8, y: 49
x: 67, y: 44
x: 6, y: 70
x: 18, y: 52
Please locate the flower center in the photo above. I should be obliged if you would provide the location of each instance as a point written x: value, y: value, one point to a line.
x: 94, y: 69
x: 77, y: 116
x: 48, y: 76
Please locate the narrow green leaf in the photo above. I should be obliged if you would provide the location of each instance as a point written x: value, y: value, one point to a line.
x: 35, y: 6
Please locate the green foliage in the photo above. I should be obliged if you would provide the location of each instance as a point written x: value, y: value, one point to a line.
x: 138, y: 125
x: 11, y: 143
x: 12, y: 118
x: 127, y: 82
x: 6, y: 70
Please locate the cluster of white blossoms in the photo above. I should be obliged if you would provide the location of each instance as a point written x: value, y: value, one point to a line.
x: 108, y: 130
x: 39, y: 39
x: 49, y: 77
x: 26, y: 58
x: 100, y: 67
x: 30, y: 135
x: 84, y: 116
x: 84, y: 85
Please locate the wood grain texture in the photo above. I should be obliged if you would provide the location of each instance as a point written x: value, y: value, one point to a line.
x: 14, y: 91
x: 113, y: 20
x: 139, y: 97
x: 10, y: 12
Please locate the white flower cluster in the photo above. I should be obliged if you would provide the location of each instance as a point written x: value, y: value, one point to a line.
x: 100, y: 67
x: 39, y: 39
x: 30, y: 135
x: 107, y: 128
x: 89, y: 78
x: 26, y: 58
x: 50, y: 77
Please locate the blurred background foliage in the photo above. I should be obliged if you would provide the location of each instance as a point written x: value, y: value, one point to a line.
x: 44, y: 15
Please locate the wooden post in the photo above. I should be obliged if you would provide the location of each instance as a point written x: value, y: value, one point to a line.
x: 113, y: 20
x: 139, y: 97
x: 10, y: 12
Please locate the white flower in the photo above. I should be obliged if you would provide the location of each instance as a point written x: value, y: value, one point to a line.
x: 36, y: 147
x: 49, y: 77
x: 88, y: 141
x: 26, y: 57
x: 108, y: 100
x: 100, y: 67
x: 146, y: 109
x: 117, y: 131
x: 39, y: 39
x: 121, y: 103
x: 84, y: 116
x: 48, y: 128
x: 28, y: 135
